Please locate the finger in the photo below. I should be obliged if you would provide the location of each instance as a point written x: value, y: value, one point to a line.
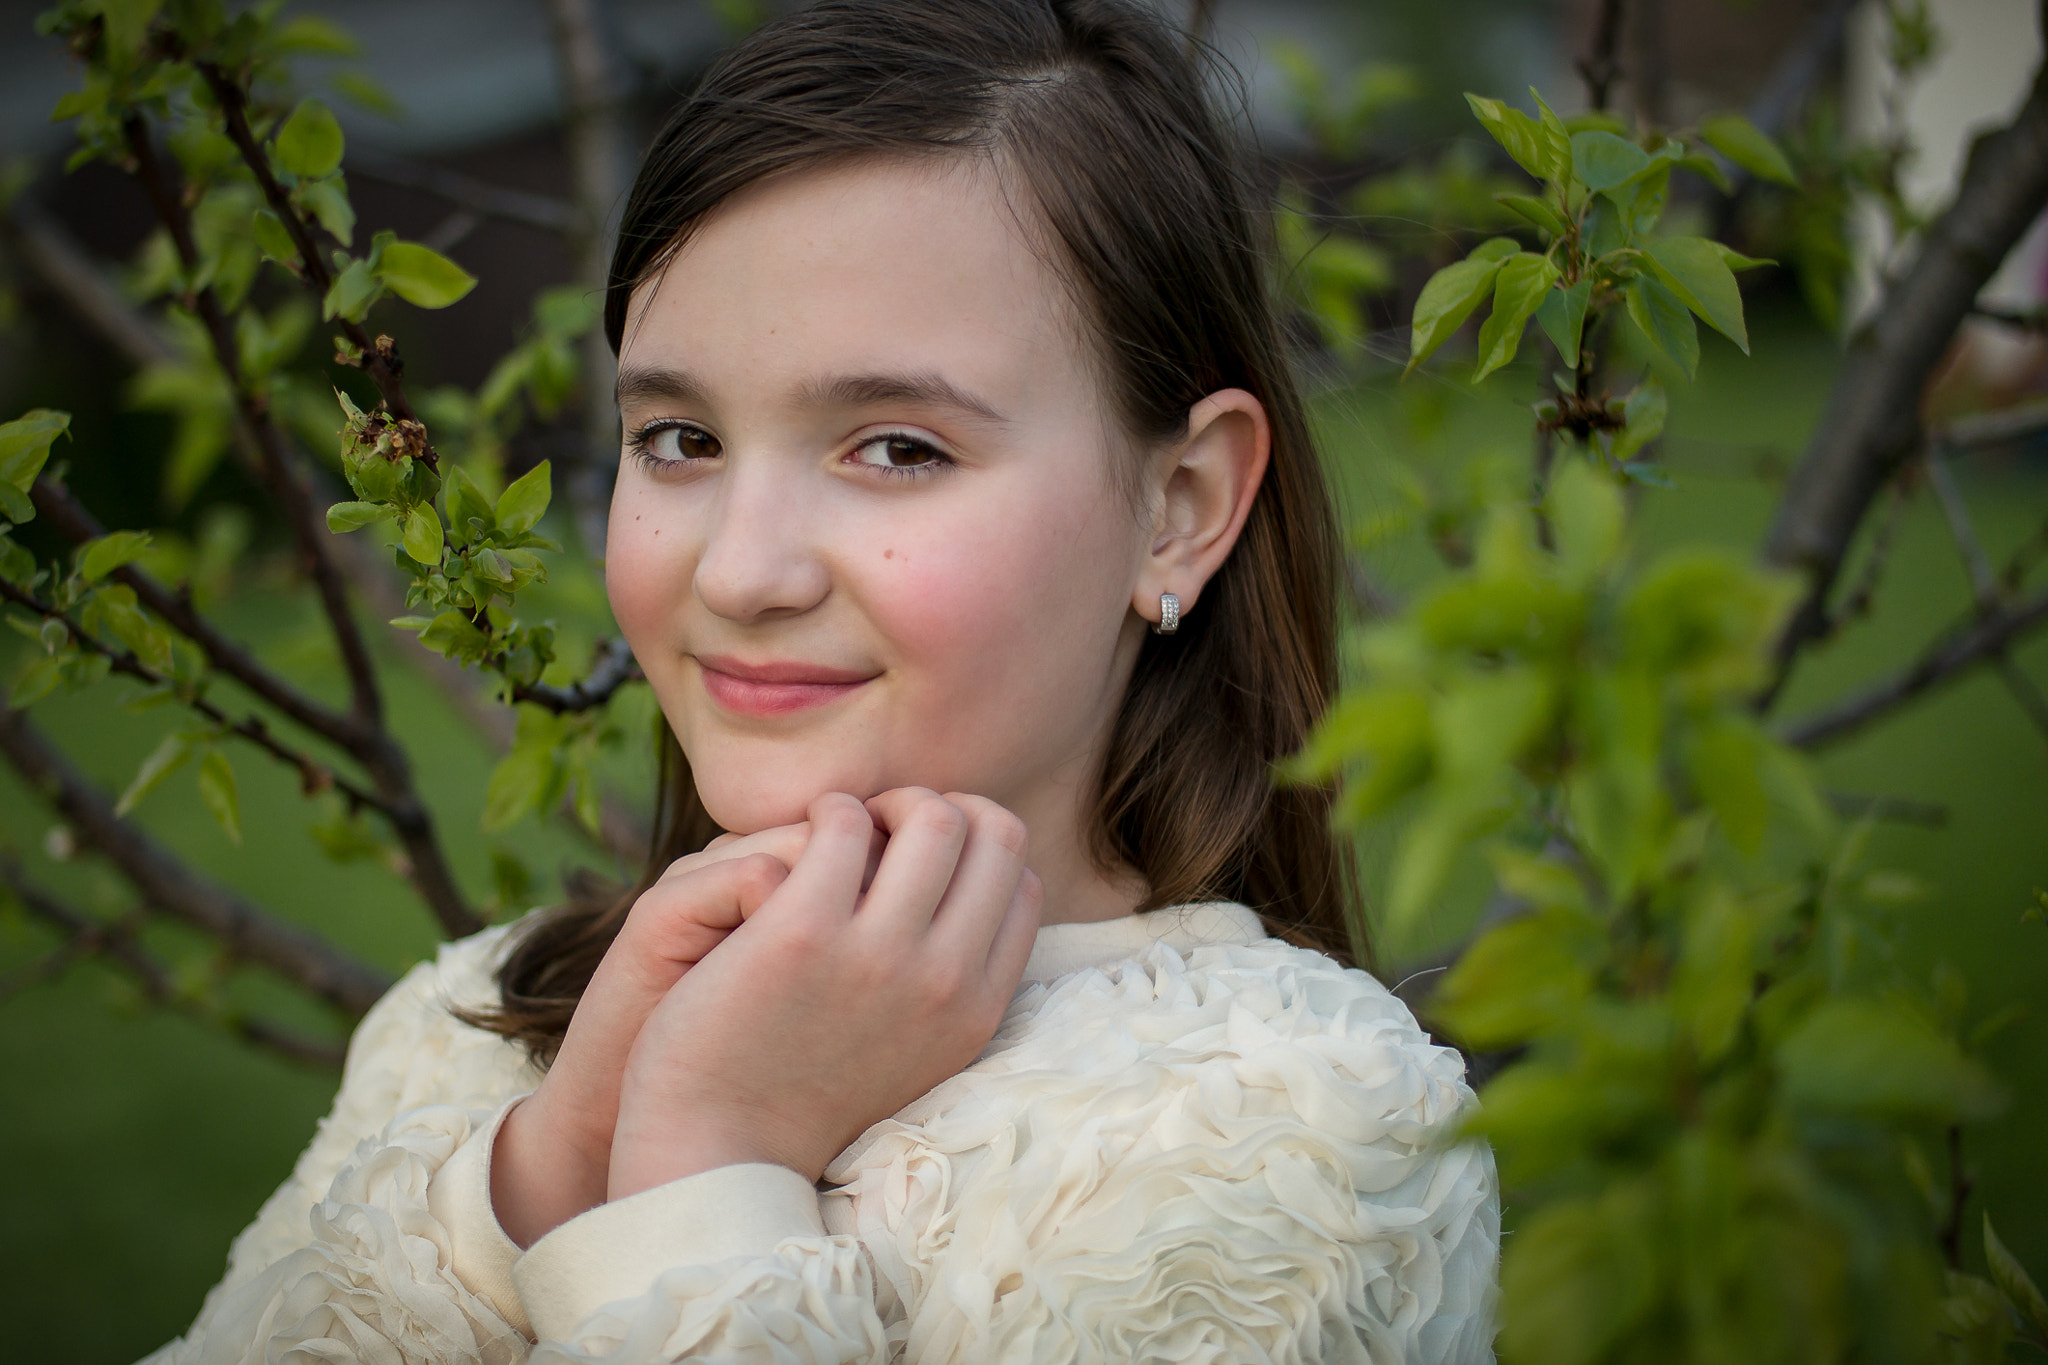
x: 985, y: 879
x: 1011, y: 951
x: 826, y: 877
x: 926, y: 834
x: 783, y: 842
x: 675, y: 923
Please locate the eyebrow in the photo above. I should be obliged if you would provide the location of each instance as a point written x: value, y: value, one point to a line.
x: 851, y: 390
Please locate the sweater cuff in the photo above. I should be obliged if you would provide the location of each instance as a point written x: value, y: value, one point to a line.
x: 479, y: 1252
x: 617, y: 1250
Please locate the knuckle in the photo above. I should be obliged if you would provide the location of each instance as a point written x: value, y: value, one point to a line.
x: 1006, y: 829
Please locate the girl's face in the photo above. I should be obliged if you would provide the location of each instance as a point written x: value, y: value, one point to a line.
x: 867, y: 532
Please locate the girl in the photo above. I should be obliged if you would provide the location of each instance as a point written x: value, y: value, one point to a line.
x: 983, y: 1001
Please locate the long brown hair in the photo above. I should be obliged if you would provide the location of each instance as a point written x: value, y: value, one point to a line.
x: 1106, y: 116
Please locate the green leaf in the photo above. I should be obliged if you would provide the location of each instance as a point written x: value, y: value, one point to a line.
x: 1726, y: 760
x: 352, y: 293
x: 1735, y: 260
x: 272, y: 239
x: 1519, y: 979
x: 1562, y: 316
x: 1445, y: 302
x: 1535, y: 210
x: 1694, y: 269
x: 422, y: 276
x: 36, y: 677
x: 518, y: 785
x: 520, y: 506
x: 455, y: 636
x: 1748, y: 146
x: 1534, y: 150
x: 309, y: 145
x: 327, y: 201
x: 1664, y: 319
x: 1707, y: 169
x: 1557, y: 139
x: 1601, y: 161
x: 25, y: 449
x: 1587, y: 519
x: 164, y: 760
x: 1856, y: 1055
x: 344, y: 517
x: 1518, y: 289
x: 217, y: 793
x: 311, y: 35
x: 1643, y: 419
x: 2013, y: 1281
x: 98, y: 558
x: 1494, y: 249
x: 422, y: 537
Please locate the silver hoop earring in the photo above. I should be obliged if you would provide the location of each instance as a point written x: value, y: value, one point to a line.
x: 1169, y: 614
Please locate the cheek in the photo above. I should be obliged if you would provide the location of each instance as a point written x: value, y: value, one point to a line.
x: 1017, y: 588
x: 647, y: 566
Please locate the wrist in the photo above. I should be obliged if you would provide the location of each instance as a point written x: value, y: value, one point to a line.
x: 691, y: 1148
x: 540, y: 1176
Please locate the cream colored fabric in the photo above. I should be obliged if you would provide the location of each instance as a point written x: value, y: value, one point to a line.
x: 1186, y: 1142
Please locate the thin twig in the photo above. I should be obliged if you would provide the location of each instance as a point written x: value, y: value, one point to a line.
x: 1857, y: 605
x: 115, y: 942
x: 542, y: 211
x: 379, y: 752
x: 1600, y: 67
x: 313, y: 777
x: 1873, y: 425
x: 63, y: 265
x: 168, y: 885
x: 1983, y: 584
x: 591, y: 85
x: 55, y: 503
x: 273, y: 464
x: 381, y: 363
x: 2025, y: 320
x: 1898, y: 810
x: 612, y: 669
x: 1981, y: 641
x: 2024, y: 692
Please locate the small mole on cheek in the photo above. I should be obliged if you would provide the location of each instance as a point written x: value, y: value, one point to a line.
x: 888, y: 554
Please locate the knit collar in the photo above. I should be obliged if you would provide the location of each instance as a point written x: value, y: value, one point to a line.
x: 1064, y: 948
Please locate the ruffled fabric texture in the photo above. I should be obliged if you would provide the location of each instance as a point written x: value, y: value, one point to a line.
x: 1231, y: 1153
x: 809, y: 1302
x: 1228, y: 1156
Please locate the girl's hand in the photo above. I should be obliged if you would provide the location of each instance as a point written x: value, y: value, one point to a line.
x: 830, y: 1010
x: 554, y: 1148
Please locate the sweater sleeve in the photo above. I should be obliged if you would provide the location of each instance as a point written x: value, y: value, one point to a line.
x: 381, y: 1246
x: 1244, y: 1155
x: 345, y: 1260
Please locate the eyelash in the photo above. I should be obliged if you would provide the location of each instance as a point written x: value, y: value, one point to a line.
x: 639, y: 444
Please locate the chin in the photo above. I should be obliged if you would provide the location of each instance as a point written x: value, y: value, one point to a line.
x: 758, y: 800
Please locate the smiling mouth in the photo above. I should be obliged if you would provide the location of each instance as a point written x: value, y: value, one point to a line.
x: 775, y: 689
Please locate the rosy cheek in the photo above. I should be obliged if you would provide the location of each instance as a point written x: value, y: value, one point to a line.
x: 642, y: 573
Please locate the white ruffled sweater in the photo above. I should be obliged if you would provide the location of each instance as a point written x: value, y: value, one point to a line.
x: 1187, y: 1142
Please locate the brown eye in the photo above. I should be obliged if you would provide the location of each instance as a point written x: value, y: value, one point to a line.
x: 896, y: 452
x: 679, y: 444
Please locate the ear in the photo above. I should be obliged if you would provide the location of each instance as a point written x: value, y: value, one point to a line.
x: 1207, y: 482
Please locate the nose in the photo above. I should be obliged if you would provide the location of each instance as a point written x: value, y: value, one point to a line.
x: 759, y: 559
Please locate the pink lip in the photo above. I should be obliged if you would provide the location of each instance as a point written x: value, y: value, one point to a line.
x: 774, y: 688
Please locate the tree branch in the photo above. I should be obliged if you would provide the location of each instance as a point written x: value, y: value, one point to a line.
x: 169, y: 886
x: 85, y: 936
x: 1872, y: 424
x: 1981, y: 641
x: 378, y: 751
x: 313, y: 777
x: 273, y: 462
x: 1600, y: 66
x: 69, y: 273
x: 612, y: 669
x: 55, y: 503
x: 381, y: 363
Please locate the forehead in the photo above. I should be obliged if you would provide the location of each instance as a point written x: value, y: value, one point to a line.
x: 922, y: 265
